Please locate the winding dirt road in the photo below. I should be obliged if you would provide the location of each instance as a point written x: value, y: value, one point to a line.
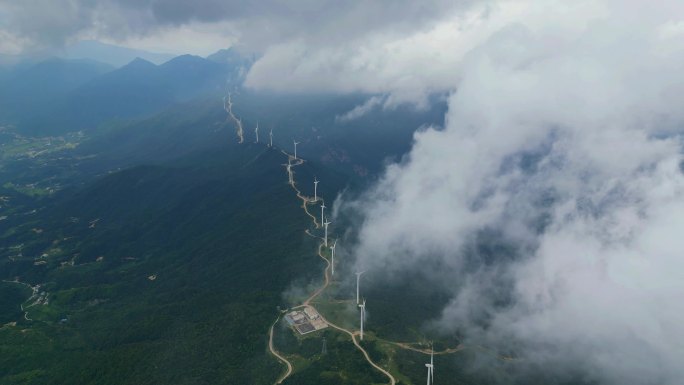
x: 282, y: 359
x: 34, y: 294
x: 391, y: 378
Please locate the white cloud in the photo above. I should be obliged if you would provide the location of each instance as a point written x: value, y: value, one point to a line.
x: 563, y: 136
x: 198, y: 39
x: 256, y: 26
x: 362, y: 109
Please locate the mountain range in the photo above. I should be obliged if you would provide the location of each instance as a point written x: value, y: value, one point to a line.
x: 141, y: 242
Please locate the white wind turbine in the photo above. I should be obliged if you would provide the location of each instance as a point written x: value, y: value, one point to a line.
x: 256, y: 132
x: 315, y: 189
x: 322, y: 210
x: 358, y: 278
x: 332, y: 257
x: 431, y: 368
x: 363, y: 316
x: 295, y: 148
x: 326, y: 223
x: 270, y: 135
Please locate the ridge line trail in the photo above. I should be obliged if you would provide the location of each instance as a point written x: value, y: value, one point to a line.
x: 393, y: 381
x: 305, y: 199
x: 288, y: 372
x: 238, y: 123
x: 34, y: 292
x: 326, y: 274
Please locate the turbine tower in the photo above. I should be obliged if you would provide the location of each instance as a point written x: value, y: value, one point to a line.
x: 322, y: 210
x: 315, y: 189
x: 431, y: 368
x: 326, y: 223
x: 332, y: 258
x: 295, y: 148
x: 270, y: 135
x: 358, y: 278
x: 363, y: 316
x: 256, y: 132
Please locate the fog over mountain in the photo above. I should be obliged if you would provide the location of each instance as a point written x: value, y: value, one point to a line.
x: 566, y: 144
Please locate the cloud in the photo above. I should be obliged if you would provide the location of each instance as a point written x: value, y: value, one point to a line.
x: 258, y: 24
x: 303, y: 46
x: 362, y: 109
x: 550, y: 203
x: 392, y: 61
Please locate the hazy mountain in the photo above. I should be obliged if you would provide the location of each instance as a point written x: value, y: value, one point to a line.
x: 56, y: 75
x: 171, y: 223
x: 111, y: 54
x: 136, y: 89
x: 197, y: 225
x: 28, y: 90
x: 233, y: 59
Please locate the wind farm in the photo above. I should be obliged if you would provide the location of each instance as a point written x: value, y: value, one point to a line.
x: 306, y: 319
x: 272, y: 200
x: 260, y: 194
x: 338, y: 303
x: 364, y: 194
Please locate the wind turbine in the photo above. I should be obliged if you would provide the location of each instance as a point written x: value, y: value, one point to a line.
x: 326, y: 223
x: 322, y: 209
x: 363, y: 315
x: 256, y: 132
x: 332, y: 258
x: 295, y: 148
x: 431, y: 368
x: 270, y: 135
x: 315, y: 189
x: 358, y: 278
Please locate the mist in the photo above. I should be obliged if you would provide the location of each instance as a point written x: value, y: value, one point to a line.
x: 562, y: 147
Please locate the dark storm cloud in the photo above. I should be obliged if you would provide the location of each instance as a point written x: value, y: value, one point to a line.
x: 51, y: 22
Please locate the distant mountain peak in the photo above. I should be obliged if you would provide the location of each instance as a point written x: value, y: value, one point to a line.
x: 140, y: 62
x: 230, y: 56
x: 185, y: 59
x: 112, y: 54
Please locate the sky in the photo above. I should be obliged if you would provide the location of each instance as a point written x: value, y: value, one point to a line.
x: 303, y: 45
x: 562, y: 138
